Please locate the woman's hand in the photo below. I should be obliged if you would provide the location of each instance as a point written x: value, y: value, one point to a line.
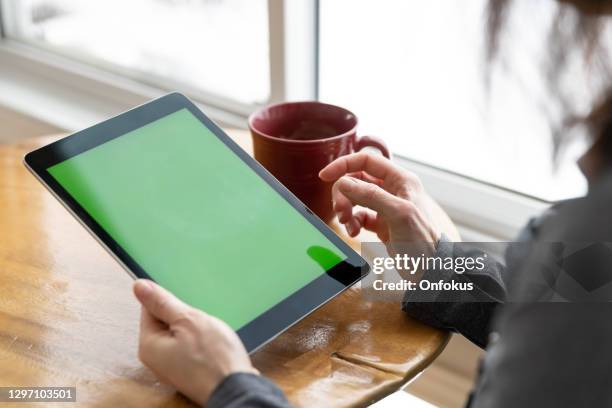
x: 397, y: 207
x: 185, y: 347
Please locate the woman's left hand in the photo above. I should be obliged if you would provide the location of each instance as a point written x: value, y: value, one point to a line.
x: 185, y: 347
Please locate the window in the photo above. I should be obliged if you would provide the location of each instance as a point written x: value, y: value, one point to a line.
x: 412, y: 71
x: 219, y: 47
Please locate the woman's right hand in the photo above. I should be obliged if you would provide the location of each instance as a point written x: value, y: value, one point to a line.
x: 397, y: 207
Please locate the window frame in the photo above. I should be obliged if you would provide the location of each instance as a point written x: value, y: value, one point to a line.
x: 34, y: 79
x: 2, y: 34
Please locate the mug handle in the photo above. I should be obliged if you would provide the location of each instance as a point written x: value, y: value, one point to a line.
x: 371, y: 141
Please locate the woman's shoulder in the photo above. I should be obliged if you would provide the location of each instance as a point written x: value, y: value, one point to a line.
x: 584, y: 219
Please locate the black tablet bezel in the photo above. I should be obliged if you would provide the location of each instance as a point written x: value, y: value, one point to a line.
x: 272, y: 322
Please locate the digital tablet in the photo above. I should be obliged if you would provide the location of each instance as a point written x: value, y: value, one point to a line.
x: 175, y: 200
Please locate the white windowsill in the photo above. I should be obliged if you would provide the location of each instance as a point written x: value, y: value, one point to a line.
x: 73, y: 96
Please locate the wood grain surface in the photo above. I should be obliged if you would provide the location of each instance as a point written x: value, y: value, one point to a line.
x: 68, y: 318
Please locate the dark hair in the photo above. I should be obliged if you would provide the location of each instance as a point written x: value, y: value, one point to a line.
x: 577, y: 26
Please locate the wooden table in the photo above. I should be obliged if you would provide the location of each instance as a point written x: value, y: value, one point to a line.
x: 68, y: 318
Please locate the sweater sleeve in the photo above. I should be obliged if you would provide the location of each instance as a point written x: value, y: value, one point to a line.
x: 466, y: 312
x: 247, y: 391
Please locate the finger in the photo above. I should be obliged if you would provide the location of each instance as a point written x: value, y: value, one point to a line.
x: 151, y: 331
x: 154, y: 343
x: 370, y: 221
x: 149, y: 325
x: 160, y: 303
x: 345, y: 209
x: 362, y: 175
x: 370, y: 196
x: 352, y: 227
x: 374, y: 165
x: 342, y: 205
x: 367, y: 219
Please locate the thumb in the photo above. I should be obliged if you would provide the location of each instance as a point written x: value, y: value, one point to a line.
x: 369, y: 195
x: 160, y: 303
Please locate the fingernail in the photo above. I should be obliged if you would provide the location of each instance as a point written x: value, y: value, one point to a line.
x: 349, y: 229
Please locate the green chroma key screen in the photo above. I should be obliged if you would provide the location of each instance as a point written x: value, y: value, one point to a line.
x: 197, y: 219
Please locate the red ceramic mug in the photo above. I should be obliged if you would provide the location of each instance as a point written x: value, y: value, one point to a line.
x: 295, y: 140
